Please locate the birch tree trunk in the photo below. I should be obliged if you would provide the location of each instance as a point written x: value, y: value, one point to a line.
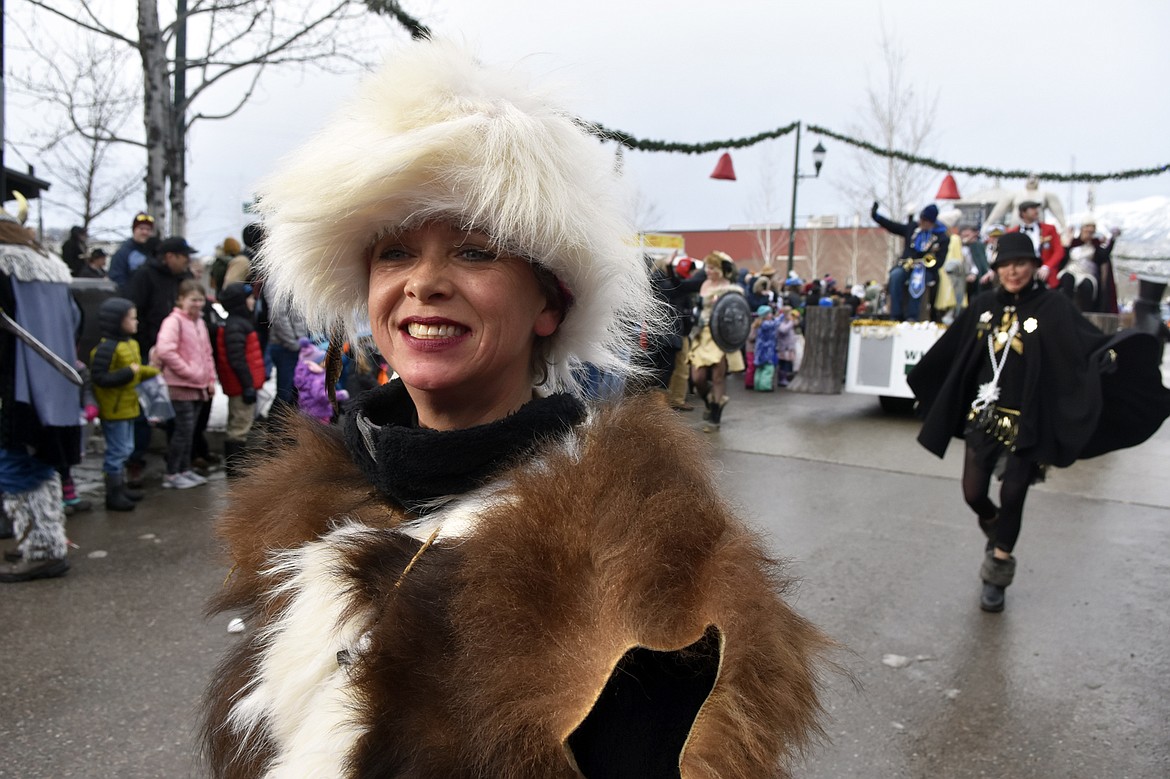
x: 156, y: 109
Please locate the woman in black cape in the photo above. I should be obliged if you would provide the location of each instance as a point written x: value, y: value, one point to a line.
x: 1030, y: 383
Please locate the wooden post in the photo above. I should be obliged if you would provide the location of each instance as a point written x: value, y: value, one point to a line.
x: 826, y: 345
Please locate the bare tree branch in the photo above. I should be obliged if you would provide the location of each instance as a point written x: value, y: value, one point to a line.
x: 229, y: 38
x: 93, y: 24
x: 895, y: 117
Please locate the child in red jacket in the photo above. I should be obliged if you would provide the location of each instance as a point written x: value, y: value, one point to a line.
x: 240, y: 365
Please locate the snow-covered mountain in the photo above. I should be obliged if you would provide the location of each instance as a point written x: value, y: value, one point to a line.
x: 1144, y: 244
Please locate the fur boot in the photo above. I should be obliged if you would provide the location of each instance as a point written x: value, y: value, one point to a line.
x: 997, y: 576
x: 38, y: 520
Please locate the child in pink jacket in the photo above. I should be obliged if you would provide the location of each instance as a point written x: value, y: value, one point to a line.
x: 183, y: 351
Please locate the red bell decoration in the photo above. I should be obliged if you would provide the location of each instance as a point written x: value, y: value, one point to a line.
x: 949, y: 189
x: 723, y: 169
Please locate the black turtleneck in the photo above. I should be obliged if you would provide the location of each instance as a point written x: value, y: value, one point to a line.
x: 416, y: 467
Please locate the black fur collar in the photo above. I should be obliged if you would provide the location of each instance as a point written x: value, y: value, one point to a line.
x: 416, y: 467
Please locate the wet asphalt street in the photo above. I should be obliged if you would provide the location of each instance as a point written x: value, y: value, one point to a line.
x: 104, y: 667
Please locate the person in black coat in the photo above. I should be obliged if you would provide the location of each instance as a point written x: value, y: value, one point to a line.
x: 73, y: 250
x: 676, y: 289
x: 1028, y: 382
x: 95, y: 266
x: 154, y: 288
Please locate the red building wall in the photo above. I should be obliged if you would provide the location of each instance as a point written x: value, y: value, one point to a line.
x: 817, y: 252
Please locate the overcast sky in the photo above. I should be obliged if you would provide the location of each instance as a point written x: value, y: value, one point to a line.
x: 1020, y: 85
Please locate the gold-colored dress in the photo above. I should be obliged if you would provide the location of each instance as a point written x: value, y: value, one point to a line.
x: 704, y: 351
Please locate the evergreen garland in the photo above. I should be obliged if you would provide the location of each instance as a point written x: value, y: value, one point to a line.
x: 630, y: 142
x: 419, y: 30
x: 993, y: 172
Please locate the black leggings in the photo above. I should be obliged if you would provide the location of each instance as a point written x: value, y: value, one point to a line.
x: 179, y: 449
x: 978, y: 468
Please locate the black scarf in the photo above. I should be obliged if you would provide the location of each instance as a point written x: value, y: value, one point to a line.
x: 415, y: 466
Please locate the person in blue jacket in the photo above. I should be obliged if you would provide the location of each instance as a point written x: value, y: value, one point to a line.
x: 924, y: 239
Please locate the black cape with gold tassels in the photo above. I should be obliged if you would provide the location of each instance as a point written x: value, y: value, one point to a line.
x: 1084, y: 393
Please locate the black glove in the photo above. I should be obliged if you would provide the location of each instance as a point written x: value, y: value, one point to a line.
x: 249, y: 396
x: 873, y: 211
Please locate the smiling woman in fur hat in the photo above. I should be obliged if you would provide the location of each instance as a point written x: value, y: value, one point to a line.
x: 476, y: 575
x: 1029, y: 383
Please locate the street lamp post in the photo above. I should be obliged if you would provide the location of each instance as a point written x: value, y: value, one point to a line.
x: 818, y: 160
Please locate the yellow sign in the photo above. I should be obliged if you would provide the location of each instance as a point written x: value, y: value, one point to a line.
x: 663, y: 241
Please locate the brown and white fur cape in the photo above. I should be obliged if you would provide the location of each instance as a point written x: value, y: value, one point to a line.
x: 495, y: 645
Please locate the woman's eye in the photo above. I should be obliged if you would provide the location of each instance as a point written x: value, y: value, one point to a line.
x: 477, y: 254
x: 392, y: 253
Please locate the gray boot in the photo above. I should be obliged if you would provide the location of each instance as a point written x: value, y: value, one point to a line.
x: 116, y: 499
x: 997, y: 576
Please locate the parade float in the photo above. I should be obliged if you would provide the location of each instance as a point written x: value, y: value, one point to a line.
x: 881, y: 353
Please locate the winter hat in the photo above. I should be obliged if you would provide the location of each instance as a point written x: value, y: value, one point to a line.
x: 1015, y: 246
x: 110, y: 315
x: 930, y: 213
x: 951, y: 217
x: 231, y: 247
x: 437, y: 135
x: 763, y: 310
x: 176, y: 244
x: 141, y: 218
x: 253, y: 235
x: 310, y: 352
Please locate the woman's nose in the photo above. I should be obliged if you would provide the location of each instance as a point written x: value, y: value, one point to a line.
x: 429, y: 277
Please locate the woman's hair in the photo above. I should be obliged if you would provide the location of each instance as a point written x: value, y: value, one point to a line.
x: 435, y: 135
x: 190, y: 287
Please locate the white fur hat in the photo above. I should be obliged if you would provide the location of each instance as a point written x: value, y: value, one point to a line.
x: 951, y: 217
x: 436, y: 134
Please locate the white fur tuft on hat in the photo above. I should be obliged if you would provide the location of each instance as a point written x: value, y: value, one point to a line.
x: 435, y: 134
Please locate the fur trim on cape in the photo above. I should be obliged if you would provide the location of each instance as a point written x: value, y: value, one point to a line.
x: 435, y: 134
x: 493, y: 648
x: 28, y: 263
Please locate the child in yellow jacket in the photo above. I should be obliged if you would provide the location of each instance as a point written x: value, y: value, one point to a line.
x: 116, y: 369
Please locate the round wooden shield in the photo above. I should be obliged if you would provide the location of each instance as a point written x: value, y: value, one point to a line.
x: 731, y: 319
